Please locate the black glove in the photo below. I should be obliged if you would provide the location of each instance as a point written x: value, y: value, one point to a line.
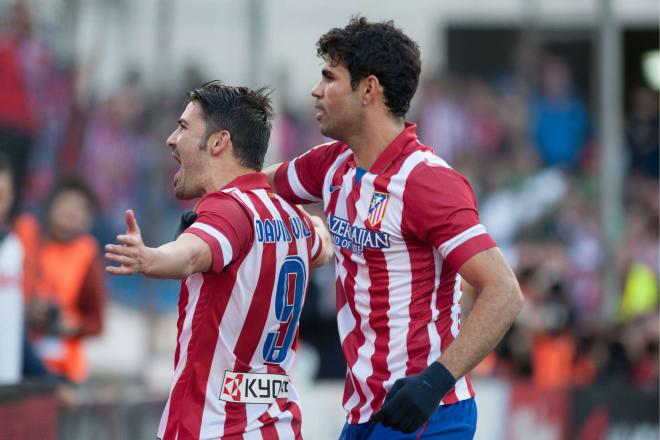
x: 187, y: 219
x: 412, y: 400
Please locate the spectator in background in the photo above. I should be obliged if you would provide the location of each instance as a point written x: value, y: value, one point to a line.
x: 485, y: 130
x: 442, y: 119
x: 19, y: 360
x: 11, y: 287
x: 115, y: 130
x: 642, y: 133
x: 25, y: 69
x: 57, y: 143
x: 559, y: 120
x: 65, y: 288
x: 553, y: 348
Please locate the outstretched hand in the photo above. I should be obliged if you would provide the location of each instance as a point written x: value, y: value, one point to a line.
x: 130, y: 252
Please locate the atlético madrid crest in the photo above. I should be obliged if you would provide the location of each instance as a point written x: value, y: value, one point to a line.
x: 377, y: 208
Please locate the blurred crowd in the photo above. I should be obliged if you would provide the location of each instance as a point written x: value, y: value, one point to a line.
x: 71, y: 163
x: 529, y: 149
x: 527, y: 146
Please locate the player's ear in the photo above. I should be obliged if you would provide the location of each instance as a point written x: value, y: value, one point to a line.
x: 371, y: 88
x: 218, y: 142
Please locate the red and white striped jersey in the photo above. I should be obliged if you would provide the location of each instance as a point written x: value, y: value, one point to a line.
x: 238, y: 322
x: 400, y: 233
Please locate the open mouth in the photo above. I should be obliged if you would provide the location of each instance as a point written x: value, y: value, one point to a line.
x: 177, y: 176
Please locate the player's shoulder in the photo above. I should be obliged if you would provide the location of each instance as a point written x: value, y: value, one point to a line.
x: 326, y: 150
x: 432, y: 170
x: 220, y: 197
x: 333, y: 146
x: 223, y: 202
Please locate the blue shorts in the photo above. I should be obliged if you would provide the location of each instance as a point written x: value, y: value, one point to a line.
x: 457, y: 421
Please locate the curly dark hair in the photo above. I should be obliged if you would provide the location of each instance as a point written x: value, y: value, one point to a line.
x: 379, y: 49
x: 245, y: 113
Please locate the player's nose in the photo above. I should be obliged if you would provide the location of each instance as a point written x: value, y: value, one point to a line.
x: 317, y: 91
x: 171, y: 141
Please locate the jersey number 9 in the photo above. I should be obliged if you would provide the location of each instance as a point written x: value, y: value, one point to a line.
x: 286, y: 311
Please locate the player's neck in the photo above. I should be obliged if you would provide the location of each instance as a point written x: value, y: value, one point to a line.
x: 373, y: 138
x: 221, y: 177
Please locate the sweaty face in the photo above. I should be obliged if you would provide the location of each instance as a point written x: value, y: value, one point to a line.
x: 338, y: 106
x: 188, y: 149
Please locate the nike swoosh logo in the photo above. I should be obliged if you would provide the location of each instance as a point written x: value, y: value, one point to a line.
x: 334, y: 188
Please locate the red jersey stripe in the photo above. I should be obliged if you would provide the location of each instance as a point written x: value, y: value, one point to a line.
x: 400, y: 237
x: 228, y: 315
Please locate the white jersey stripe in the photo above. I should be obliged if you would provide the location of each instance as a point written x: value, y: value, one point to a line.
x: 282, y: 251
x: 166, y: 412
x: 354, y: 399
x: 327, y: 181
x: 315, y: 246
x: 253, y: 411
x: 298, y: 187
x: 229, y: 330
x: 397, y: 306
x: 460, y: 388
x: 219, y: 236
x: 193, y: 284
x: 399, y: 285
x: 434, y: 338
x: 451, y: 244
x: 235, y: 324
x: 434, y: 160
x: 456, y: 306
x: 285, y: 430
x: 362, y: 368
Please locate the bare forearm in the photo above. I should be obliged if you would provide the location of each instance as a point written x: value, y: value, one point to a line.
x: 168, y: 262
x: 177, y: 259
x: 493, y: 313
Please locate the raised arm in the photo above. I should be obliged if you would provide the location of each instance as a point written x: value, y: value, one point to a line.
x: 177, y: 259
x: 301, y: 180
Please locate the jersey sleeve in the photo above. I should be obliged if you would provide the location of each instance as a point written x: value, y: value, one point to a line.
x: 225, y: 227
x: 301, y: 179
x: 316, y: 242
x: 440, y: 208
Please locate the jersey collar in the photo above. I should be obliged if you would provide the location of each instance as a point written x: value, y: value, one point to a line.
x: 253, y: 180
x: 394, y: 149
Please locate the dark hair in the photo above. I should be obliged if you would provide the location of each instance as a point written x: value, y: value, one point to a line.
x: 243, y: 112
x: 378, y: 49
x: 75, y: 184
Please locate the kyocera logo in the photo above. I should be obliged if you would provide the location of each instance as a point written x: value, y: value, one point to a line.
x: 232, y: 387
x: 254, y: 388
